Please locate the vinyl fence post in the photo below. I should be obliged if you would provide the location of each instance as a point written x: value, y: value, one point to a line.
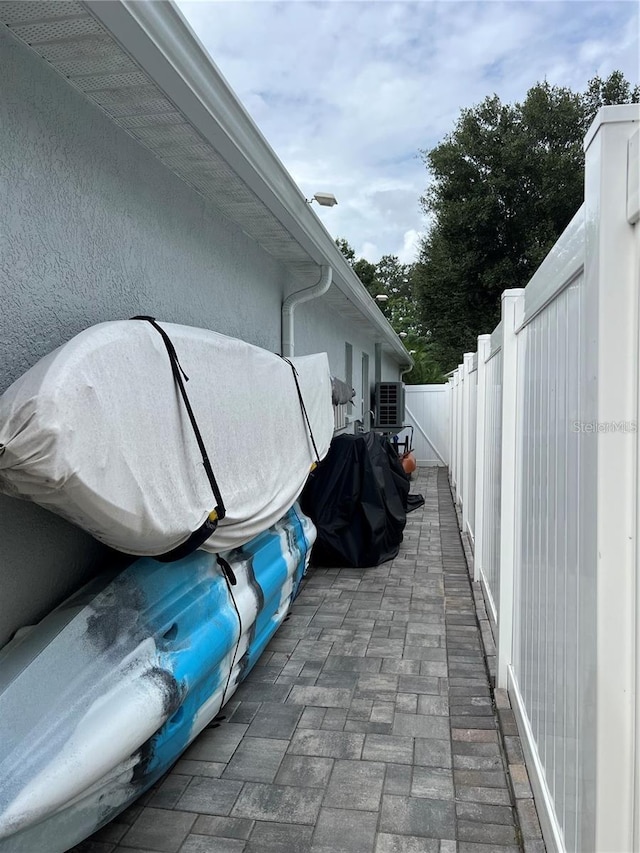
x: 459, y: 471
x: 512, y: 312
x: 449, y: 393
x: 454, y: 433
x: 467, y: 461
x: 452, y: 427
x: 484, y: 345
x: 610, y: 537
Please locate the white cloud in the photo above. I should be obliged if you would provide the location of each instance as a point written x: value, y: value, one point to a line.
x: 370, y: 251
x: 410, y: 245
x: 348, y: 93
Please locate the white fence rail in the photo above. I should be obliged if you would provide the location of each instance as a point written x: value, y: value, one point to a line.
x: 545, y: 466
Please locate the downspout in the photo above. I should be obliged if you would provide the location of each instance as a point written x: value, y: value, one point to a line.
x: 289, y: 306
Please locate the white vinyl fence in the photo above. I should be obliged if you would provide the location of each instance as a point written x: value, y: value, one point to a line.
x: 545, y: 467
x: 427, y: 411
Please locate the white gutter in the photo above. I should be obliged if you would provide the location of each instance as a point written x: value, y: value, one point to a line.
x: 290, y: 303
x: 406, y: 370
x: 161, y: 42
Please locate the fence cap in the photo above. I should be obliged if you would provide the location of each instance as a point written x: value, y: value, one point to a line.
x: 612, y: 114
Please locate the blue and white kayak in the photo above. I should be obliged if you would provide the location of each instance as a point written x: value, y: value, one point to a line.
x: 100, y: 698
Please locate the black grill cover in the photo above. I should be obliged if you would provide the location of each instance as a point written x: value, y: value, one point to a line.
x: 358, y: 498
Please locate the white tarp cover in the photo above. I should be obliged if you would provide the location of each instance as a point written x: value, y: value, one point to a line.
x: 97, y: 433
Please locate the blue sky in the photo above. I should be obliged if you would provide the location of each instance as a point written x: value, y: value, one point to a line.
x: 348, y: 92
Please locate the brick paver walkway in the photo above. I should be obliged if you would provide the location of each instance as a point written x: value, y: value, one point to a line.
x: 367, y: 727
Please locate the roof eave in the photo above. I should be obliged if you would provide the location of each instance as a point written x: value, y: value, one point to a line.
x: 159, y: 39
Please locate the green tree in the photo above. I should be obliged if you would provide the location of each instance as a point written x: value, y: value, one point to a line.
x: 365, y: 270
x: 426, y: 370
x: 394, y: 280
x: 391, y: 279
x: 347, y: 249
x: 505, y: 183
x: 616, y: 89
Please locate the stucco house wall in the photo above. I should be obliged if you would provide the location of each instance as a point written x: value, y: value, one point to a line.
x: 94, y: 228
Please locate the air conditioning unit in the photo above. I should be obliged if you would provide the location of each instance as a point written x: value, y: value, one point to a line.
x: 389, y: 406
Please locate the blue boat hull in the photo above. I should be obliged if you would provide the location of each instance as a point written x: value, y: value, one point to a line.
x: 102, y: 697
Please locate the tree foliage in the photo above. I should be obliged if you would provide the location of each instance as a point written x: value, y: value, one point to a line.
x: 601, y: 93
x: 393, y: 279
x: 505, y: 183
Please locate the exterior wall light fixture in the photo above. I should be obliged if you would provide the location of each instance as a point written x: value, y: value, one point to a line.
x: 323, y: 199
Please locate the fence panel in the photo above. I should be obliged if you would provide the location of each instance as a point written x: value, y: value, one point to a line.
x: 427, y: 411
x: 548, y: 651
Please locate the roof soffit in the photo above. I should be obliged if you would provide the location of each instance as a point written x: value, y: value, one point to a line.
x: 143, y: 67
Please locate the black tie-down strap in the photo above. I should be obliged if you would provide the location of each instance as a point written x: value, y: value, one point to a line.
x: 211, y: 522
x: 231, y: 581
x: 303, y: 407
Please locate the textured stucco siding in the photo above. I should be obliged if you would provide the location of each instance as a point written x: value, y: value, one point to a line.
x: 390, y: 369
x: 92, y: 229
